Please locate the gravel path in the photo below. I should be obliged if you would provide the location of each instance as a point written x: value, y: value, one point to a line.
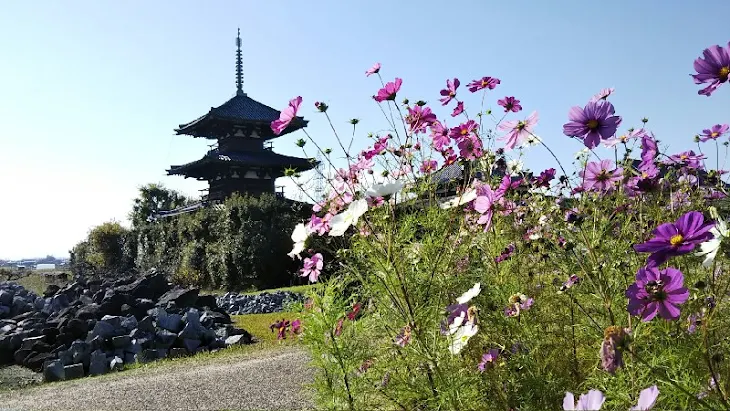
x: 265, y: 381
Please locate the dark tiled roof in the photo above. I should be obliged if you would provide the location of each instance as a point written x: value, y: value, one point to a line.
x: 447, y: 173
x: 242, y: 110
x: 263, y: 158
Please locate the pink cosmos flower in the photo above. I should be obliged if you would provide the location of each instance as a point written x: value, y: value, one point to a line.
x: 591, y: 401
x: 657, y: 292
x: 470, y: 147
x: 440, y: 135
x: 488, y: 359
x: 519, y: 131
x: 510, y: 104
x: 319, y: 225
x: 338, y: 327
x: 419, y: 118
x: 450, y: 91
x: 458, y: 109
x: 389, y: 91
x: 429, y: 166
x: 372, y: 70
x: 603, y: 94
x: 286, y: 116
x: 714, y: 133
x: 484, y: 204
x: 714, y: 68
x: 484, y: 82
x: 281, y: 327
x: 601, y: 177
x: 296, y: 326
x: 687, y: 158
x: 312, y: 267
x: 403, y: 337
x: 593, y: 123
x: 624, y: 138
x: 463, y: 129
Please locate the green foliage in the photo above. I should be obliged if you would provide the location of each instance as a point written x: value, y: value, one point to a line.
x: 108, y: 249
x: 415, y: 265
x: 240, y: 245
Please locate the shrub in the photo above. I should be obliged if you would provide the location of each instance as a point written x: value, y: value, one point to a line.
x: 105, y: 251
x: 239, y: 245
x: 505, y: 289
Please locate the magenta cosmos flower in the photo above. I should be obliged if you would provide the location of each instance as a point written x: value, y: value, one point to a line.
x: 419, y: 118
x: 373, y: 70
x: 593, y: 123
x: 389, y: 91
x: 713, y: 69
x: 677, y: 238
x: 450, y: 91
x: 313, y: 267
x: 510, y: 104
x: 286, y: 116
x: 458, y: 109
x: 601, y: 176
x: 484, y: 82
x: 519, y: 131
x: 657, y: 292
x: 714, y: 133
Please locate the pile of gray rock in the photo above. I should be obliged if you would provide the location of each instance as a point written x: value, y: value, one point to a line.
x: 90, y: 327
x: 264, y: 303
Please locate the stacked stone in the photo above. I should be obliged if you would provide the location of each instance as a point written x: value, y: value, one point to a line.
x: 91, y: 327
x: 264, y: 303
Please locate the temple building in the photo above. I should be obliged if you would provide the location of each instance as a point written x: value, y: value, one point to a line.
x: 241, y: 160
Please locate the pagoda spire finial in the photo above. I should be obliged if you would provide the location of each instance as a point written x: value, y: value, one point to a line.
x: 239, y: 66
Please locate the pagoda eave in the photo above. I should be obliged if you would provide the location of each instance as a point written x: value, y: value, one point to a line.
x: 204, y: 126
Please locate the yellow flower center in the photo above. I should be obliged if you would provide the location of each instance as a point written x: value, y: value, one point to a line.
x: 464, y: 131
x: 485, y: 84
x: 714, y: 134
x: 683, y: 157
x: 644, y: 175
x: 624, y: 138
x: 592, y: 124
x: 452, y: 94
x: 676, y: 239
x: 724, y: 72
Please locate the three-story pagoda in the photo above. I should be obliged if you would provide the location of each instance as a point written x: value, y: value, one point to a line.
x: 240, y: 162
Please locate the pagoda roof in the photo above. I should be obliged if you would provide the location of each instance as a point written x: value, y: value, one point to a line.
x: 224, y: 159
x: 240, y: 110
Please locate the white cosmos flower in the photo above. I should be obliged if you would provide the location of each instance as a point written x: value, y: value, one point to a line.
x: 467, y: 196
x: 531, y: 141
x: 514, y: 166
x: 471, y: 293
x: 382, y: 190
x: 462, y: 336
x: 299, y: 236
x: 710, y: 248
x: 341, y: 222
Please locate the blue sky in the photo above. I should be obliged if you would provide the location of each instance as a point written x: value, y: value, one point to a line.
x: 90, y: 91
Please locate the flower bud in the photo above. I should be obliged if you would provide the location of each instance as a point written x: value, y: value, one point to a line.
x: 322, y: 107
x: 301, y: 143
